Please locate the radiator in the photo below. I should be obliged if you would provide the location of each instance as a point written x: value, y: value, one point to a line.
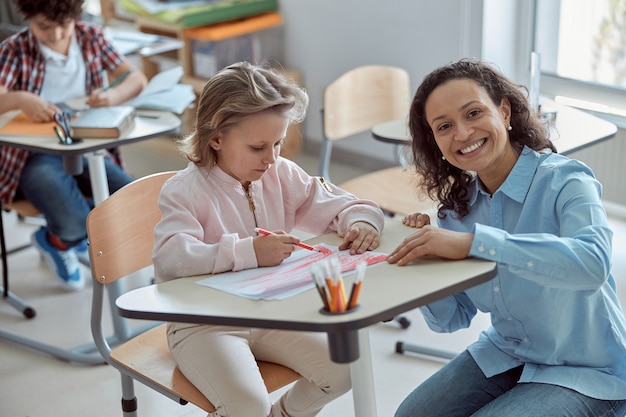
x: 608, y: 161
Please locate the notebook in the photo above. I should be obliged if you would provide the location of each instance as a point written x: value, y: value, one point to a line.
x: 103, y: 122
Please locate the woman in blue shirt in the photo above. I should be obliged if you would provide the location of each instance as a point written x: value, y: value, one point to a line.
x: 557, y: 341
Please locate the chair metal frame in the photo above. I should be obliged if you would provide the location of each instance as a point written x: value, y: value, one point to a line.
x: 120, y: 232
x: 23, y: 208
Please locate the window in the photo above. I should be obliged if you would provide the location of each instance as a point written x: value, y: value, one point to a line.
x: 582, y: 45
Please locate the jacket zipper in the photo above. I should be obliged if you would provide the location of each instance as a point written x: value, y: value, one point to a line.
x: 251, y: 205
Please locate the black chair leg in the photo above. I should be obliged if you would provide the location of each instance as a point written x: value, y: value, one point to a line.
x: 8, y: 296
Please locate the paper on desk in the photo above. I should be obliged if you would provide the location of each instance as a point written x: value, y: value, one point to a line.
x: 176, y: 99
x: 163, y: 92
x: 287, y: 279
x: 21, y: 124
x: 164, y: 80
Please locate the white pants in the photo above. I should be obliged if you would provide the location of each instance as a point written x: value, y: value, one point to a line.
x: 221, y: 362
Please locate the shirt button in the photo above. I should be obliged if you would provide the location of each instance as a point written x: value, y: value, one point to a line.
x: 496, y: 289
x: 525, y: 340
x: 481, y: 248
x: 492, y: 252
x: 529, y: 264
x: 509, y: 318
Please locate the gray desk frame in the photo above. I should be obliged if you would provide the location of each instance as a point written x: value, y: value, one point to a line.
x: 388, y: 290
x: 156, y: 123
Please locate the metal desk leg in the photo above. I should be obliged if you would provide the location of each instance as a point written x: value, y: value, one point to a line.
x: 362, y: 377
x: 354, y: 348
x: 100, y: 192
x: 402, y: 347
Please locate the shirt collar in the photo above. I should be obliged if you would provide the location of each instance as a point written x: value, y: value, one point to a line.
x: 51, y: 55
x: 518, y: 181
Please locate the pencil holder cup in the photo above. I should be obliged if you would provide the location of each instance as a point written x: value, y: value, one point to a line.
x: 325, y: 311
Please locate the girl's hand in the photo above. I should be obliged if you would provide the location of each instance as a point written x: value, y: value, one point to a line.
x: 431, y: 240
x: 361, y: 237
x: 416, y: 220
x: 271, y: 250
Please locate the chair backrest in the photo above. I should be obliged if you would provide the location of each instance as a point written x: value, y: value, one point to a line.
x: 121, y: 228
x: 360, y: 99
x: 364, y: 97
x: 121, y: 239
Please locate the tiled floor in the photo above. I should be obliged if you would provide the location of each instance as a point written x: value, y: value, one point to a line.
x: 36, y: 385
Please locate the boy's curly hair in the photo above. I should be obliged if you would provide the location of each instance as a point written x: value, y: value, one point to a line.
x: 58, y: 11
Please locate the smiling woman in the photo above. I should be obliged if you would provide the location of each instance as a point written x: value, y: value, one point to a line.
x: 507, y: 197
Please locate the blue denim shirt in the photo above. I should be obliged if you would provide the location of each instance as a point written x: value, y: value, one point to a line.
x: 553, y: 304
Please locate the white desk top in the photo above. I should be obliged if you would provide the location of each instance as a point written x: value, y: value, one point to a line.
x: 387, y: 291
x: 575, y: 129
x: 154, y: 123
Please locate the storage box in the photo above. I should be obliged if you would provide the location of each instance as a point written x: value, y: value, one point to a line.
x: 208, y: 57
x: 214, y: 47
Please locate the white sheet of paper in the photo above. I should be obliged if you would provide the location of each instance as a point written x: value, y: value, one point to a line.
x: 285, y: 280
x: 164, y: 80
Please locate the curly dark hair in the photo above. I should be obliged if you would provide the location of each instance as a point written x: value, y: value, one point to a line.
x: 58, y: 11
x: 442, y: 181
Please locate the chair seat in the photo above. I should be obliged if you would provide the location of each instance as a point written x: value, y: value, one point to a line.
x: 148, y: 354
x: 22, y: 207
x: 395, y: 190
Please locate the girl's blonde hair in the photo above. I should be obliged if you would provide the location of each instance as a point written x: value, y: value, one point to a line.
x: 232, y: 94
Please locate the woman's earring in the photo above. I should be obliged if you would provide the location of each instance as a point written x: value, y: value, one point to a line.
x: 509, y: 128
x: 443, y: 158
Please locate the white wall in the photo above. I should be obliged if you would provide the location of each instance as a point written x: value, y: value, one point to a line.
x: 325, y: 38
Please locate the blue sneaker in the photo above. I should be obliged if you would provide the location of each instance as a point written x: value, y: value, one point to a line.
x: 82, y: 251
x: 64, y: 263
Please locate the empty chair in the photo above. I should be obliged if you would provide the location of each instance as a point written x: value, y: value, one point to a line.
x: 354, y: 103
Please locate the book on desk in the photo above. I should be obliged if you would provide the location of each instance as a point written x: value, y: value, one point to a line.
x: 103, y: 122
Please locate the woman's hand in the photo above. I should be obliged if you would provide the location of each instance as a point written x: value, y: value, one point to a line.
x: 271, y: 250
x: 431, y: 240
x: 361, y: 237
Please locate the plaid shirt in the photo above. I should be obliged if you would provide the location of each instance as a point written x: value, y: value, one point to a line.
x: 22, y: 68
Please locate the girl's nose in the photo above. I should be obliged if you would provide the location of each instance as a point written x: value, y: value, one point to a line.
x: 270, y: 157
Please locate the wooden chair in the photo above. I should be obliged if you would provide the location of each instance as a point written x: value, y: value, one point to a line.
x: 24, y: 209
x: 120, y: 232
x: 353, y: 104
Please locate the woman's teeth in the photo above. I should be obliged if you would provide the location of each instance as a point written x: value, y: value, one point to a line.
x: 473, y: 147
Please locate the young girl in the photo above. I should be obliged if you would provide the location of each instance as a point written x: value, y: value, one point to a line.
x: 236, y: 182
x: 56, y: 58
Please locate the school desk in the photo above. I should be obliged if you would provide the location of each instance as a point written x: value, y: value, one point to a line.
x: 148, y: 124
x: 388, y: 290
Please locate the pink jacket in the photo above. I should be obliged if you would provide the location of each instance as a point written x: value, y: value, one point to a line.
x: 208, y: 224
